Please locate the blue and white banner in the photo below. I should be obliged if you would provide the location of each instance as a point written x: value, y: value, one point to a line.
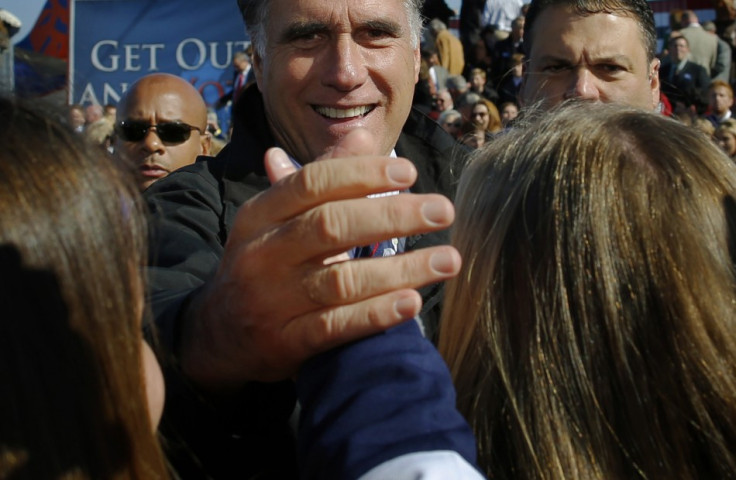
x: 115, y: 42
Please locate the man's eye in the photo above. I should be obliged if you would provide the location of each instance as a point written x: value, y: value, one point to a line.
x: 556, y: 68
x: 306, y: 37
x: 374, y: 36
x: 376, y: 33
x: 611, y: 68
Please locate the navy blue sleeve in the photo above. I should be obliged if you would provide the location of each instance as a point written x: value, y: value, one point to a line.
x: 374, y: 400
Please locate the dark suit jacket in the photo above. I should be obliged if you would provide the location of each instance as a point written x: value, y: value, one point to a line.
x: 246, y: 433
x: 502, y: 59
x: 471, y: 12
x: 689, y: 86
x: 230, y: 95
x: 437, y: 9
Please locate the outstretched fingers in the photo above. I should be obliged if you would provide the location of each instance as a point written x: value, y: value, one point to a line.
x: 321, y: 330
x: 335, y: 227
x: 349, y: 282
x: 319, y: 183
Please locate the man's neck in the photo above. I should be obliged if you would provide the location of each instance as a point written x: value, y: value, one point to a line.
x: 723, y: 115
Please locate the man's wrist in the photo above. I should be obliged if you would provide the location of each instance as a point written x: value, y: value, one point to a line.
x: 197, y: 347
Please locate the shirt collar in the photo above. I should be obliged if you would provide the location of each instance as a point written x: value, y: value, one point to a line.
x: 299, y: 165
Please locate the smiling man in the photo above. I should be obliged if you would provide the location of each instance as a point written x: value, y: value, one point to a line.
x: 353, y: 64
x: 597, y: 50
x: 247, y: 281
x: 160, y: 127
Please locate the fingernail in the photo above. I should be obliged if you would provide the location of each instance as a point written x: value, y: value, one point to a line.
x: 401, y: 173
x: 279, y: 158
x: 406, y: 307
x: 442, y: 263
x: 435, y: 212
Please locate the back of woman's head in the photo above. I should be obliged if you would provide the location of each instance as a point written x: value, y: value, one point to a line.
x: 591, y: 332
x: 71, y: 243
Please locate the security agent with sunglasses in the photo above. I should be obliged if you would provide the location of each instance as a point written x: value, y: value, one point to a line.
x: 250, y: 279
x: 161, y: 126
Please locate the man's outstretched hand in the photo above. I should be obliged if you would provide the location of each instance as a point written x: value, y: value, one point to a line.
x: 283, y: 291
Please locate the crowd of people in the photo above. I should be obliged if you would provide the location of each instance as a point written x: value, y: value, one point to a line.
x: 508, y: 264
x: 696, y: 75
x: 487, y: 76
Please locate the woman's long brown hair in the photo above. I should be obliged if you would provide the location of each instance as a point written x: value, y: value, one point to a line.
x: 72, y: 240
x: 592, y: 330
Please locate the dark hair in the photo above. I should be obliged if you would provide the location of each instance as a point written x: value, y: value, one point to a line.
x: 639, y: 10
x: 679, y: 37
x: 72, y: 242
x: 427, y: 50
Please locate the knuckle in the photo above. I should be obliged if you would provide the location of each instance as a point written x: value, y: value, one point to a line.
x: 401, y: 210
x: 328, y: 224
x: 334, y: 285
x: 375, y: 318
x: 342, y: 282
x: 313, y: 290
x: 323, y: 330
x: 311, y: 182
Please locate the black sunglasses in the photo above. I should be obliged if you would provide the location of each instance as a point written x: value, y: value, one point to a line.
x: 168, y: 132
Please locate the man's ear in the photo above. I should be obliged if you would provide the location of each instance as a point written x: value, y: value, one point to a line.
x: 205, y: 142
x: 257, y: 64
x: 654, y: 81
x: 522, y: 87
x: 417, y: 63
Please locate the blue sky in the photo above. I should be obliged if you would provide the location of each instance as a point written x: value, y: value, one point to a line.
x: 27, y: 11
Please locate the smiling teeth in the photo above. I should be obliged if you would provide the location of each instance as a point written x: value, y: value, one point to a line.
x: 343, y: 112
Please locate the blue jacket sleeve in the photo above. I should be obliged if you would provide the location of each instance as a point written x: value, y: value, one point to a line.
x: 374, y: 400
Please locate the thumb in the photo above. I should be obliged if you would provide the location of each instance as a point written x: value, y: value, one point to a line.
x: 278, y: 164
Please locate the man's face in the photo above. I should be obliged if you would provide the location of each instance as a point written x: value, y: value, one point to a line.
x: 157, y: 102
x: 517, y: 29
x: 76, y: 117
x: 475, y: 139
x: 478, y: 82
x: 517, y: 70
x: 599, y: 57
x: 479, y: 116
x: 726, y: 141
x: 444, y: 101
x: 331, y: 67
x: 721, y: 99
x: 92, y: 114
x: 679, y: 49
x: 452, y: 125
x: 240, y: 64
x: 509, y: 112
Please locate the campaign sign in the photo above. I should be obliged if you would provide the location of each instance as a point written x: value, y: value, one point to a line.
x: 115, y: 42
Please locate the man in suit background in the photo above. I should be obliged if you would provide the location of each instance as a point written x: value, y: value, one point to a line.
x: 437, y: 73
x: 722, y: 69
x: 683, y: 81
x: 703, y: 46
x: 242, y: 77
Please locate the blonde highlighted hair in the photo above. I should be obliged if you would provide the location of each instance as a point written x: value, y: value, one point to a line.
x: 592, y: 330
